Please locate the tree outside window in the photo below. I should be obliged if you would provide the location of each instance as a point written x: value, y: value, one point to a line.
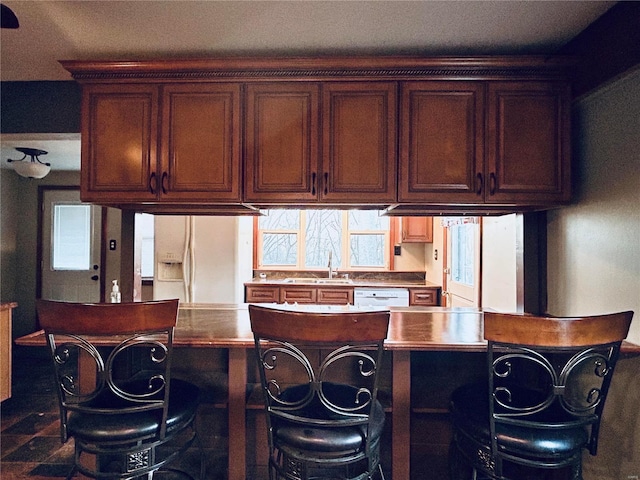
x: 302, y: 239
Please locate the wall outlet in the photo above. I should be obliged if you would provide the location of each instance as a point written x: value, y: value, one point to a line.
x: 397, y: 250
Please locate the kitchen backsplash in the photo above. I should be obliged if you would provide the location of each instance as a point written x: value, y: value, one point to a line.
x: 410, y: 277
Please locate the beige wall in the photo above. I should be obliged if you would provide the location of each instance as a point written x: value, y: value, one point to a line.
x: 18, y: 266
x: 432, y: 265
x: 594, y: 255
x: 594, y: 245
x: 411, y: 259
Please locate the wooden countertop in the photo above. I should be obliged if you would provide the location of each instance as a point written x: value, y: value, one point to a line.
x: 411, y: 328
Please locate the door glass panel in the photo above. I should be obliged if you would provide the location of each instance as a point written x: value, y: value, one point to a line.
x: 71, y: 237
x: 462, y: 254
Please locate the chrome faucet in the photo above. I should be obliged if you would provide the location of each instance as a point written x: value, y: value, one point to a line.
x: 330, y: 264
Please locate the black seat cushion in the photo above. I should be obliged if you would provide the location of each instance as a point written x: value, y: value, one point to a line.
x: 326, y: 439
x: 96, y: 427
x: 470, y: 414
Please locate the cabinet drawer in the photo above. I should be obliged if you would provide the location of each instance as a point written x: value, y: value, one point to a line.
x: 335, y: 296
x: 298, y: 294
x: 429, y: 297
x: 262, y: 294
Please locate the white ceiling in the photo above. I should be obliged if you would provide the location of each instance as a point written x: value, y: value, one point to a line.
x: 75, y: 30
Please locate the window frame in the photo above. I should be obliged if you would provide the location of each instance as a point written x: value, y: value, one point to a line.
x: 391, y: 235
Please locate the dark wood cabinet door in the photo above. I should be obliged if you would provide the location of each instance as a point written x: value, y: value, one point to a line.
x: 335, y: 296
x: 298, y: 295
x: 417, y: 230
x: 281, y: 153
x: 528, y: 151
x: 359, y: 142
x: 119, y: 137
x: 424, y: 296
x: 441, y: 142
x: 266, y: 294
x: 200, y: 157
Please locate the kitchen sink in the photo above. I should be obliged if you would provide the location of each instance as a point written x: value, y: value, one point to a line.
x: 333, y: 281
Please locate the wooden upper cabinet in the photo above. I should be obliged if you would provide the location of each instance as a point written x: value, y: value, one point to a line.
x: 441, y: 142
x: 440, y: 134
x: 200, y: 155
x: 416, y: 229
x: 284, y: 141
x: 528, y: 149
x: 282, y: 134
x: 119, y: 138
x: 359, y: 134
x: 457, y: 149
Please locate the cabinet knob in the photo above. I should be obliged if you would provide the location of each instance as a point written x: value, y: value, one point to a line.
x: 95, y: 278
x: 326, y: 183
x: 313, y: 183
x: 479, y: 184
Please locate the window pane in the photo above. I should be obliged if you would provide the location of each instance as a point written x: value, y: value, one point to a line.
x: 462, y: 242
x: 280, y: 220
x: 367, y: 220
x: 279, y: 249
x: 71, y: 249
x: 323, y: 235
x: 367, y: 250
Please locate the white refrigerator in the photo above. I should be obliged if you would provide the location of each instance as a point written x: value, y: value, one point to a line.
x: 202, y: 259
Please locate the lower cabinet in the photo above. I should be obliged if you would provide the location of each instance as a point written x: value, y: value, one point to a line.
x: 266, y: 294
x: 316, y: 295
x: 423, y: 296
x: 5, y: 350
x: 428, y: 297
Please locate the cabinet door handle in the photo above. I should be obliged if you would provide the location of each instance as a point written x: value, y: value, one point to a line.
x: 492, y: 183
x: 326, y: 183
x: 164, y: 181
x: 479, y: 184
x: 313, y: 183
x: 152, y: 182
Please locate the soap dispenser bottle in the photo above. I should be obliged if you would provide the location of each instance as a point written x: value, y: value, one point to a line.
x: 115, y: 292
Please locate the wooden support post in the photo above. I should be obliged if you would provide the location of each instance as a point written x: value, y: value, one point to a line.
x: 401, y: 416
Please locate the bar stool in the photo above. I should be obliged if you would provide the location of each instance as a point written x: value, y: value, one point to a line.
x: 548, y: 379
x: 324, y: 419
x: 127, y: 416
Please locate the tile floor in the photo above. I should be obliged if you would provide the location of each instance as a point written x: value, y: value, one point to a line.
x: 30, y: 446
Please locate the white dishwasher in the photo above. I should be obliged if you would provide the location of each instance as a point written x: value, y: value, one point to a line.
x: 381, y: 297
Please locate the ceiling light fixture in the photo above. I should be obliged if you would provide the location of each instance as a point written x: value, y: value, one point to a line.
x: 8, y: 18
x: 33, y: 168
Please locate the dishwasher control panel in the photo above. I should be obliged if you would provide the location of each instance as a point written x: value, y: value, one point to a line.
x: 381, y: 297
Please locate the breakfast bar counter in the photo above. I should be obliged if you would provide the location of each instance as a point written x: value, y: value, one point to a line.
x: 418, y: 335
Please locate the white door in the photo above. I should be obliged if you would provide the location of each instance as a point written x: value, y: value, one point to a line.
x: 462, y: 270
x: 70, y: 269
